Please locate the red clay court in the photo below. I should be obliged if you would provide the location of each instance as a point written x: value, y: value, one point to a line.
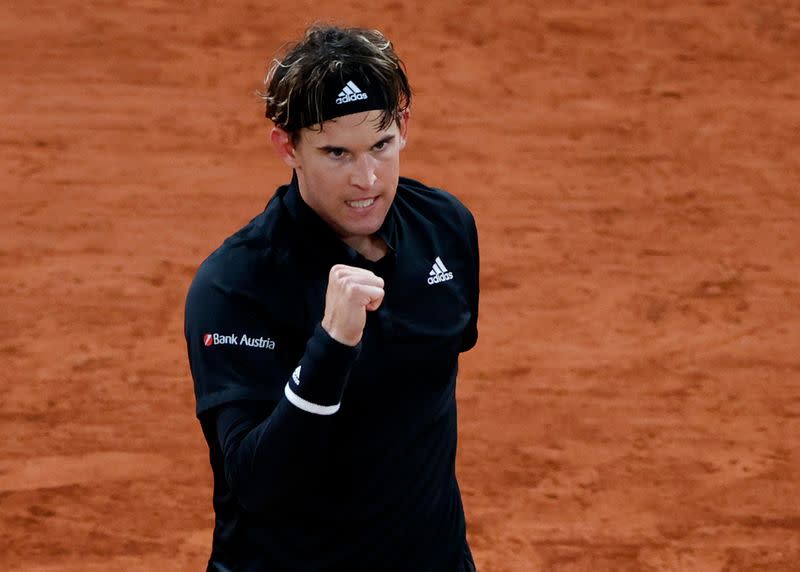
x: 634, y: 400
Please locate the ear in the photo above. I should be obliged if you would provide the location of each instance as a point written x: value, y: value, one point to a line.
x: 402, y: 123
x: 282, y: 142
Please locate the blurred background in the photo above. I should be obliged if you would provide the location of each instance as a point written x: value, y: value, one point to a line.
x: 634, y: 400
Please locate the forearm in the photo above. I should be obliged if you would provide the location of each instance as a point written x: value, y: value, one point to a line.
x: 269, y: 452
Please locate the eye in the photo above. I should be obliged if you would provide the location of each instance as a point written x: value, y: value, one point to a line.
x: 336, y: 153
x: 381, y: 145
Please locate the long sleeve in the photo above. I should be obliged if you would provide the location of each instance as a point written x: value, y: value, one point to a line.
x: 271, y: 449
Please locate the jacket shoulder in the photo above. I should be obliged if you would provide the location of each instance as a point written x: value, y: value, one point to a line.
x: 249, y: 264
x: 435, y: 204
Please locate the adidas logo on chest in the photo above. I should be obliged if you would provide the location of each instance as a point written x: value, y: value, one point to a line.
x: 439, y: 273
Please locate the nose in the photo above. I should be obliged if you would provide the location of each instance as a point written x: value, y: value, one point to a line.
x: 363, y: 175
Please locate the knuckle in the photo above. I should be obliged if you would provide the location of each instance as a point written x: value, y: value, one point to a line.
x: 339, y: 273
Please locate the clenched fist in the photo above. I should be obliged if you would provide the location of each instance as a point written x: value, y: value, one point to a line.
x: 352, y: 292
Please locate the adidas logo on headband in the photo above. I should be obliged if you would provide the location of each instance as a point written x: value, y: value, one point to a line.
x: 350, y: 92
x: 358, y: 100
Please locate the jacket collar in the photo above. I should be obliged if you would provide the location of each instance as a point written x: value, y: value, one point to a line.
x: 317, y: 235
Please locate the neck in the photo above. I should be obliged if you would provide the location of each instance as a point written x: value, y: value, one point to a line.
x: 371, y: 247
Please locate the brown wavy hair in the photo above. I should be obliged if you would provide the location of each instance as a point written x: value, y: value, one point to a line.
x: 296, y: 81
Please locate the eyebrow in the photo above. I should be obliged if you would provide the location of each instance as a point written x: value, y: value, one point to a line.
x: 329, y: 148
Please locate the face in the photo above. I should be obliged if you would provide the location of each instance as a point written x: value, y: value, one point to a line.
x: 348, y: 171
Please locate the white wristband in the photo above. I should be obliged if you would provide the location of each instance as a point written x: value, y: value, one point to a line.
x: 307, y: 406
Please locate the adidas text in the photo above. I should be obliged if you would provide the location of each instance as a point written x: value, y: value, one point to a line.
x: 440, y: 278
x: 353, y: 97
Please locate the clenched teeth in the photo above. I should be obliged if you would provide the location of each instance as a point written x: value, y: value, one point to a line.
x: 360, y: 204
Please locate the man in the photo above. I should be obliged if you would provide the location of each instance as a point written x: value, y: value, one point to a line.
x: 324, y: 336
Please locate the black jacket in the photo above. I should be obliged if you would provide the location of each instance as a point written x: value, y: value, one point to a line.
x: 327, y: 457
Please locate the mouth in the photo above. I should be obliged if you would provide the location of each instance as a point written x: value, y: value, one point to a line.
x: 361, y: 204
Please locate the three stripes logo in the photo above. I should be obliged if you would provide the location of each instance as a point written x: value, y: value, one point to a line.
x: 350, y: 92
x: 439, y: 273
